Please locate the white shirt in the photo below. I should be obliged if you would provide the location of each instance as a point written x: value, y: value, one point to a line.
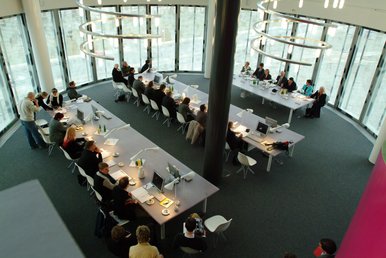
x: 27, y: 110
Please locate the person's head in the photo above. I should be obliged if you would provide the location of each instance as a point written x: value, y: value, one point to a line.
x: 125, y: 64
x: 230, y: 124
x: 132, y: 70
x: 123, y: 182
x: 309, y: 82
x: 70, y: 134
x: 58, y: 116
x: 162, y: 87
x: 90, y: 145
x: 118, y: 233
x: 116, y: 66
x: 143, y: 234
x: 186, y: 101
x: 148, y: 61
x: 328, y: 245
x: 190, y: 224
x: 282, y: 73
x: 289, y: 255
x: 246, y: 64
x: 54, y: 91
x: 322, y: 90
x: 103, y: 167
x: 203, y: 108
x: 290, y: 80
x: 266, y: 71
x: 140, y: 78
x: 31, y: 95
x: 43, y: 94
x: 150, y: 84
x: 168, y: 93
x: 261, y: 65
x: 72, y: 84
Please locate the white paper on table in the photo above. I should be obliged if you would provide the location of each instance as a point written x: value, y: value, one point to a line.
x: 141, y: 195
x: 111, y: 163
x: 118, y: 174
x: 111, y: 141
x: 79, y: 100
x: 105, y: 153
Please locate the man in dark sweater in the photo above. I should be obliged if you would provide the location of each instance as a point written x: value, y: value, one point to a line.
x: 117, y: 75
x: 188, y: 239
x: 103, y: 182
x: 90, y: 158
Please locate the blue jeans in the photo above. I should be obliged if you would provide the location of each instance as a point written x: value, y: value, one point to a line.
x: 33, y: 135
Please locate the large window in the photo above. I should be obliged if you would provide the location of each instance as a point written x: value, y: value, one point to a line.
x: 105, y: 47
x: 192, y: 25
x: 79, y: 64
x: 53, y: 50
x: 135, y: 50
x: 17, y: 57
x: 361, y: 72
x: 7, y: 115
x: 163, y: 49
x: 245, y: 33
x: 334, y: 59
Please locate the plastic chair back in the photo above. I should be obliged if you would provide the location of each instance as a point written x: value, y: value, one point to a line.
x: 145, y: 99
x: 180, y: 118
x: 154, y: 105
x: 243, y: 159
x: 135, y: 92
x: 223, y: 227
x: 65, y: 153
x: 165, y: 111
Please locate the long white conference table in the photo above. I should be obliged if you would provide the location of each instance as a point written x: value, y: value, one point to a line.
x: 292, y: 101
x: 244, y: 118
x: 130, y: 142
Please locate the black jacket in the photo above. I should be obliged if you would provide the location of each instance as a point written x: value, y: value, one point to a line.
x: 89, y: 162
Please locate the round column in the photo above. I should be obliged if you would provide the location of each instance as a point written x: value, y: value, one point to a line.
x: 378, y: 143
x: 209, y: 38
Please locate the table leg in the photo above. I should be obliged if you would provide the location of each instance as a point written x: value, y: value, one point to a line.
x: 291, y: 151
x: 269, y: 163
x: 262, y: 102
x: 204, y: 205
x: 162, y: 231
x: 290, y: 116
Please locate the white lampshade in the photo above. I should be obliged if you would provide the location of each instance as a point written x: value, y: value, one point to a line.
x: 170, y: 186
x: 189, y: 176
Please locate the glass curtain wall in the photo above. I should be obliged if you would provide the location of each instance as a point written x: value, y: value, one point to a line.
x: 53, y: 50
x: 192, y: 29
x: 7, y: 115
x: 331, y: 68
x: 79, y: 64
x: 245, y: 33
x: 105, y: 47
x: 163, y: 49
x: 361, y: 72
x: 134, y: 50
x: 17, y: 57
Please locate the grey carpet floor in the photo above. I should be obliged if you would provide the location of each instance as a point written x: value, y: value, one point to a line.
x: 311, y: 196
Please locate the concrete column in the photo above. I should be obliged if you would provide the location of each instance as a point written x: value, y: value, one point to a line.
x: 39, y: 43
x: 227, y: 12
x: 378, y: 143
x: 209, y: 38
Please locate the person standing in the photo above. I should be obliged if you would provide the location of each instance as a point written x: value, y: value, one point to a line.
x: 40, y: 98
x: 28, y: 107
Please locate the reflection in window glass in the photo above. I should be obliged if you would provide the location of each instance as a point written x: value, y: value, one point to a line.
x: 7, y: 115
x: 16, y: 55
x: 301, y: 73
x: 53, y: 50
x: 163, y: 49
x: 192, y: 21
x: 369, y: 48
x: 79, y: 64
x: 105, y: 47
x: 377, y: 108
x: 334, y: 59
x: 135, y: 50
x: 245, y: 33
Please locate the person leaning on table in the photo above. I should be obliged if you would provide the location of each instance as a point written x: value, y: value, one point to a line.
x: 27, y: 109
x: 40, y: 98
x: 143, y: 249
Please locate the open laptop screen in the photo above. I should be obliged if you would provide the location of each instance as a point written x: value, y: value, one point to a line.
x: 262, y: 128
x: 157, y: 181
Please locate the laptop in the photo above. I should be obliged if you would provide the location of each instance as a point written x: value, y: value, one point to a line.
x: 155, y: 187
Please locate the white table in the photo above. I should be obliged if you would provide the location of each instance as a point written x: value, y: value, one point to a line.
x: 292, y: 101
x: 130, y: 142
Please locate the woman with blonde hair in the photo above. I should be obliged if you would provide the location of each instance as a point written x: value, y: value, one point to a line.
x: 320, y: 100
x: 74, y: 146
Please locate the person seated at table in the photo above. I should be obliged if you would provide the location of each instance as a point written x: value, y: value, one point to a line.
x: 259, y: 72
x: 124, y: 206
x: 267, y: 75
x: 308, y: 88
x: 202, y: 116
x: 120, y: 241
x: 235, y: 143
x: 125, y: 68
x: 290, y: 86
x: 159, y: 95
x: 55, y: 99
x: 117, y: 75
x: 320, y: 100
x: 40, y: 98
x: 185, y: 111
x: 281, y: 80
x: 103, y: 182
x: 146, y: 66
x: 149, y: 90
x: 246, y: 68
x: 139, y: 86
x: 143, y: 249
x: 170, y: 104
x: 71, y: 91
x: 56, y: 129
x: 74, y: 146
x: 90, y: 158
x: 200, y: 229
x: 131, y: 78
x: 189, y: 239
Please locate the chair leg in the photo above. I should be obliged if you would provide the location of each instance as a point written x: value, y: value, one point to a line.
x: 147, y: 108
x: 128, y: 97
x: 181, y: 127
x: 72, y: 162
x: 136, y: 102
x: 156, y: 114
x: 240, y: 169
x: 50, y: 148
